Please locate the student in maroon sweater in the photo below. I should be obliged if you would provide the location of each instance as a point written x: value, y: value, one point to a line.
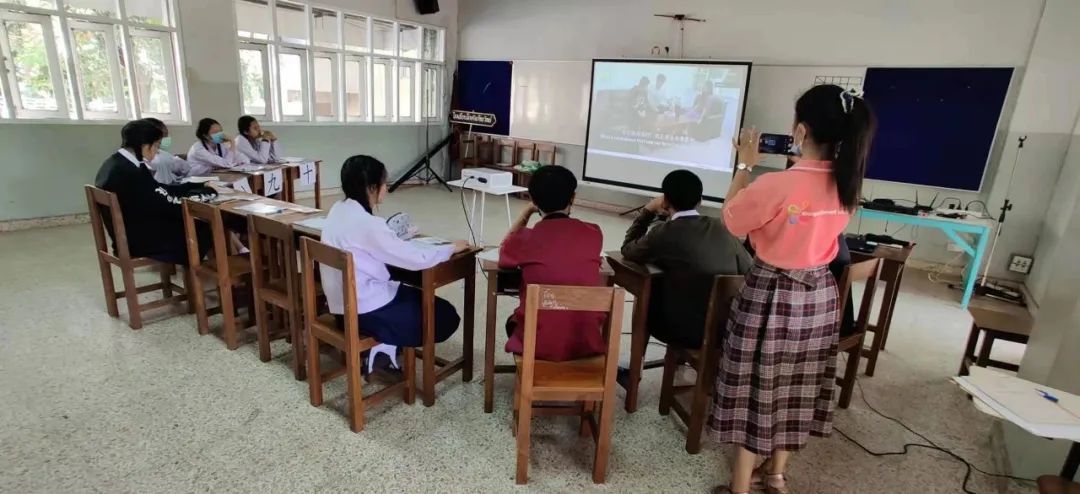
x: 558, y: 250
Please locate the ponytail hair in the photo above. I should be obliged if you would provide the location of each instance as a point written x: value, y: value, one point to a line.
x: 843, y: 124
x: 360, y: 175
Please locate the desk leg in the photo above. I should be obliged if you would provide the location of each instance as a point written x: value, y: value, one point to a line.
x: 987, y: 347
x: 973, y: 271
x: 428, y: 322
x: 318, y: 186
x: 639, y: 339
x: 467, y: 337
x: 509, y: 219
x: 489, y: 343
x: 892, y: 304
x: 1072, y: 462
x: 472, y: 218
x: 483, y: 203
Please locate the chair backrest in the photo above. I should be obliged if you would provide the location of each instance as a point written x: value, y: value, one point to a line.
x: 105, y: 219
x: 280, y: 254
x: 500, y: 156
x: 525, y: 151
x: 725, y: 289
x: 313, y: 253
x: 608, y: 300
x: 868, y: 271
x: 194, y: 212
x: 545, y: 153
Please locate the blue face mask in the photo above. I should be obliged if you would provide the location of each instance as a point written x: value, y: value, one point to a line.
x: 218, y: 137
x: 166, y: 143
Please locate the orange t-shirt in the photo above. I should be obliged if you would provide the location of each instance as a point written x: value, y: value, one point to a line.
x: 793, y: 217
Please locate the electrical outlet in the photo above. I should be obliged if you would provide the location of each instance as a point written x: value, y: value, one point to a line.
x: 1020, y: 264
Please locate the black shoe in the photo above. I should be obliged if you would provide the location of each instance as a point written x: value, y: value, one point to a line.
x: 622, y: 377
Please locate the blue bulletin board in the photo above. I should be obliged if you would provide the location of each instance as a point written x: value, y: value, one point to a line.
x: 483, y: 86
x: 936, y: 126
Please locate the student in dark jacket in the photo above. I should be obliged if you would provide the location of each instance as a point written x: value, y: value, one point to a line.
x: 691, y: 249
x: 153, y: 218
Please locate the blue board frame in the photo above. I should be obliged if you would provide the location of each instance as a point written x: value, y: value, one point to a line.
x: 483, y: 86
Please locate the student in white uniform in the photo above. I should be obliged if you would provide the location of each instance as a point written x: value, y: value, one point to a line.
x: 254, y: 143
x: 388, y: 311
x: 168, y: 168
x: 212, y: 150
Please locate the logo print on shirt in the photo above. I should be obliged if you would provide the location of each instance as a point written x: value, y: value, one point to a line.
x: 796, y: 210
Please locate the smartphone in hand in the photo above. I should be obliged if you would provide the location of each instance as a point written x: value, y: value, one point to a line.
x: 775, y: 144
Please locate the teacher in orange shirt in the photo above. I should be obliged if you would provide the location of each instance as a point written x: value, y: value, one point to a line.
x: 774, y: 386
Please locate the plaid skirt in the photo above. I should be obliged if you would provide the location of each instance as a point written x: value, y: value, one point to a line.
x: 777, y: 368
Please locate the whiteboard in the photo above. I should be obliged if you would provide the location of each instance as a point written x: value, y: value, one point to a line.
x: 549, y: 100
x: 770, y: 106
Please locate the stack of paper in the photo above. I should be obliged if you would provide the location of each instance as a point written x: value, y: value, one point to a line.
x: 260, y: 208
x: 1025, y: 403
x: 316, y: 223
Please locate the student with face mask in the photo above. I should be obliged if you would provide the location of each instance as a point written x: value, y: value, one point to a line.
x: 152, y: 211
x: 213, y: 149
x: 255, y: 144
x: 167, y: 168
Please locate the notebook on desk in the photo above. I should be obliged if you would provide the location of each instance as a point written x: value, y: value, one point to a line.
x: 1023, y: 403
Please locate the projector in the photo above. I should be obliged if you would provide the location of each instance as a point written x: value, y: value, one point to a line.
x: 486, y: 177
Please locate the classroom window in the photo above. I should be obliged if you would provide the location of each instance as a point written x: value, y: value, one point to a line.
x: 409, y: 41
x: 155, y: 77
x: 355, y: 29
x: 292, y: 23
x: 382, y: 37
x: 406, y: 95
x: 325, y: 78
x: 293, y: 99
x: 432, y: 45
x: 153, y: 12
x: 325, y: 28
x: 97, y: 69
x: 308, y: 62
x: 356, y: 89
x: 254, y: 80
x: 431, y: 98
x: 382, y: 85
x: 98, y: 8
x: 89, y: 59
x: 253, y: 19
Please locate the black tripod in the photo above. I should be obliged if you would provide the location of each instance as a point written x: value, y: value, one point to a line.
x: 424, y: 166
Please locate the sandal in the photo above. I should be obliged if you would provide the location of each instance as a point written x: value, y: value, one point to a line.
x: 771, y: 483
x: 724, y: 489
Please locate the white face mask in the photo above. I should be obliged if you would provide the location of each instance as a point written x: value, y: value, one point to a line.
x: 796, y: 144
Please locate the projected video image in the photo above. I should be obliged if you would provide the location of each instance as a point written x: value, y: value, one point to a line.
x: 681, y: 115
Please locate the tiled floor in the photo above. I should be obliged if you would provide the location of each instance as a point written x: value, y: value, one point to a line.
x: 89, y: 405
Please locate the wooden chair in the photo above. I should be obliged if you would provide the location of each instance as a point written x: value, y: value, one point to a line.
x: 225, y: 271
x: 468, y: 144
x: 589, y: 382
x: 101, y: 202
x: 545, y: 153
x: 501, y: 159
x: 703, y: 360
x: 274, y: 277
x: 323, y: 328
x: 994, y: 325
x: 485, y: 149
x: 524, y: 151
x: 867, y: 271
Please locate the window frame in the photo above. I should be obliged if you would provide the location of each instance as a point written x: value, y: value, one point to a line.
x: 268, y: 91
x: 343, y: 54
x: 10, y: 79
x: 305, y: 85
x: 335, y: 85
x: 68, y: 74
x: 112, y: 46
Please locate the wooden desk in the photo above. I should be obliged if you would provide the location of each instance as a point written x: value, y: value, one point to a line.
x: 994, y: 326
x: 290, y: 172
x: 894, y: 260
x: 636, y: 279
x: 460, y: 266
x: 504, y: 282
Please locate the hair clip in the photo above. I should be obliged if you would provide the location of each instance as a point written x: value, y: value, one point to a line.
x: 847, y: 99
